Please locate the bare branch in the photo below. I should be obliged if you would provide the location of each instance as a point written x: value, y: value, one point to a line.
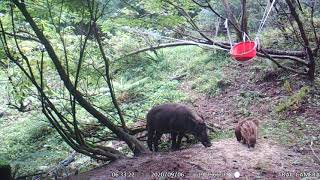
x: 281, y: 66
x: 285, y: 57
x: 160, y: 46
x: 231, y: 17
x: 209, y: 6
x: 22, y: 37
x: 189, y: 19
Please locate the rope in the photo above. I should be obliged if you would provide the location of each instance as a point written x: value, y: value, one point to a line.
x: 245, y: 36
x: 228, y: 32
x: 264, y: 19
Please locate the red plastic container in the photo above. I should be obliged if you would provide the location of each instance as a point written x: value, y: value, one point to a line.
x: 244, y: 51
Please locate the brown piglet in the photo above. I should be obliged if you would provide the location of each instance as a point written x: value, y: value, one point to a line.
x: 247, y: 132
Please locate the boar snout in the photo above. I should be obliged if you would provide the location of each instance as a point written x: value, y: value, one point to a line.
x: 207, y: 143
x: 202, y: 135
x: 205, y: 140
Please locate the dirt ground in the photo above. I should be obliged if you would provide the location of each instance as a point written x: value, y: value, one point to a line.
x: 268, y: 160
x: 220, y: 161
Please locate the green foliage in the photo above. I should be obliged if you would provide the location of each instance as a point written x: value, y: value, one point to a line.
x: 155, y: 14
x: 246, y: 99
x: 30, y: 143
x: 146, y: 82
x: 122, y: 43
x: 293, y: 101
x: 223, y: 134
x: 207, y: 68
x: 2, y: 54
x: 283, y: 130
x: 4, y: 164
x: 140, y: 81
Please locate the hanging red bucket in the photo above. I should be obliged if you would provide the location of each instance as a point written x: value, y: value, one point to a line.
x: 244, y: 51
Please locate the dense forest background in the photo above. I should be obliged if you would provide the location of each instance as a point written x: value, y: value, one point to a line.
x: 81, y: 75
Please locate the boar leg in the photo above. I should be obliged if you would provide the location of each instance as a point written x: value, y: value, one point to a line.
x: 237, y: 132
x: 156, y: 139
x: 244, y: 141
x: 150, y: 139
x: 174, y: 140
x: 180, y: 136
x: 188, y: 138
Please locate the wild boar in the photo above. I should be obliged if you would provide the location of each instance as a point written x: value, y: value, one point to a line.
x: 176, y: 119
x: 247, y: 131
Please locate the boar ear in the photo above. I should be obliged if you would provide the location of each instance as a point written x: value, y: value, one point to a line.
x: 201, y: 116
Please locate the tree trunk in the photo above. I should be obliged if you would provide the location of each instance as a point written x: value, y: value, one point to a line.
x: 308, y: 50
x: 244, y: 17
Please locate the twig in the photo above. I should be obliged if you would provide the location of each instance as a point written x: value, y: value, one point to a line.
x: 281, y: 66
x: 22, y: 37
x: 179, y: 77
x: 315, y: 155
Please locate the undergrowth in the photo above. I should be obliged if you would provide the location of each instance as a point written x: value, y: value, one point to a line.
x: 145, y: 82
x: 294, y: 101
x: 31, y: 144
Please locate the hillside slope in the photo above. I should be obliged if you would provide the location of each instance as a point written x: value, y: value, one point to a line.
x: 284, y: 137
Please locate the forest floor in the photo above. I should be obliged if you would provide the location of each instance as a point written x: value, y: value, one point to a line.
x: 246, y: 92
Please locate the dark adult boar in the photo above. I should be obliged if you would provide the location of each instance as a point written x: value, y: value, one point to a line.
x: 176, y: 119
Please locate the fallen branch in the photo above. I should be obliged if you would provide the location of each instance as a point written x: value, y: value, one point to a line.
x: 62, y: 165
x: 179, y: 77
x: 283, y: 52
x: 284, y: 57
x: 33, y: 176
x: 281, y: 66
x: 137, y: 130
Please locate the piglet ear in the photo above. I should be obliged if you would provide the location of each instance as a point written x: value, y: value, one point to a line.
x: 201, y: 116
x: 256, y: 122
